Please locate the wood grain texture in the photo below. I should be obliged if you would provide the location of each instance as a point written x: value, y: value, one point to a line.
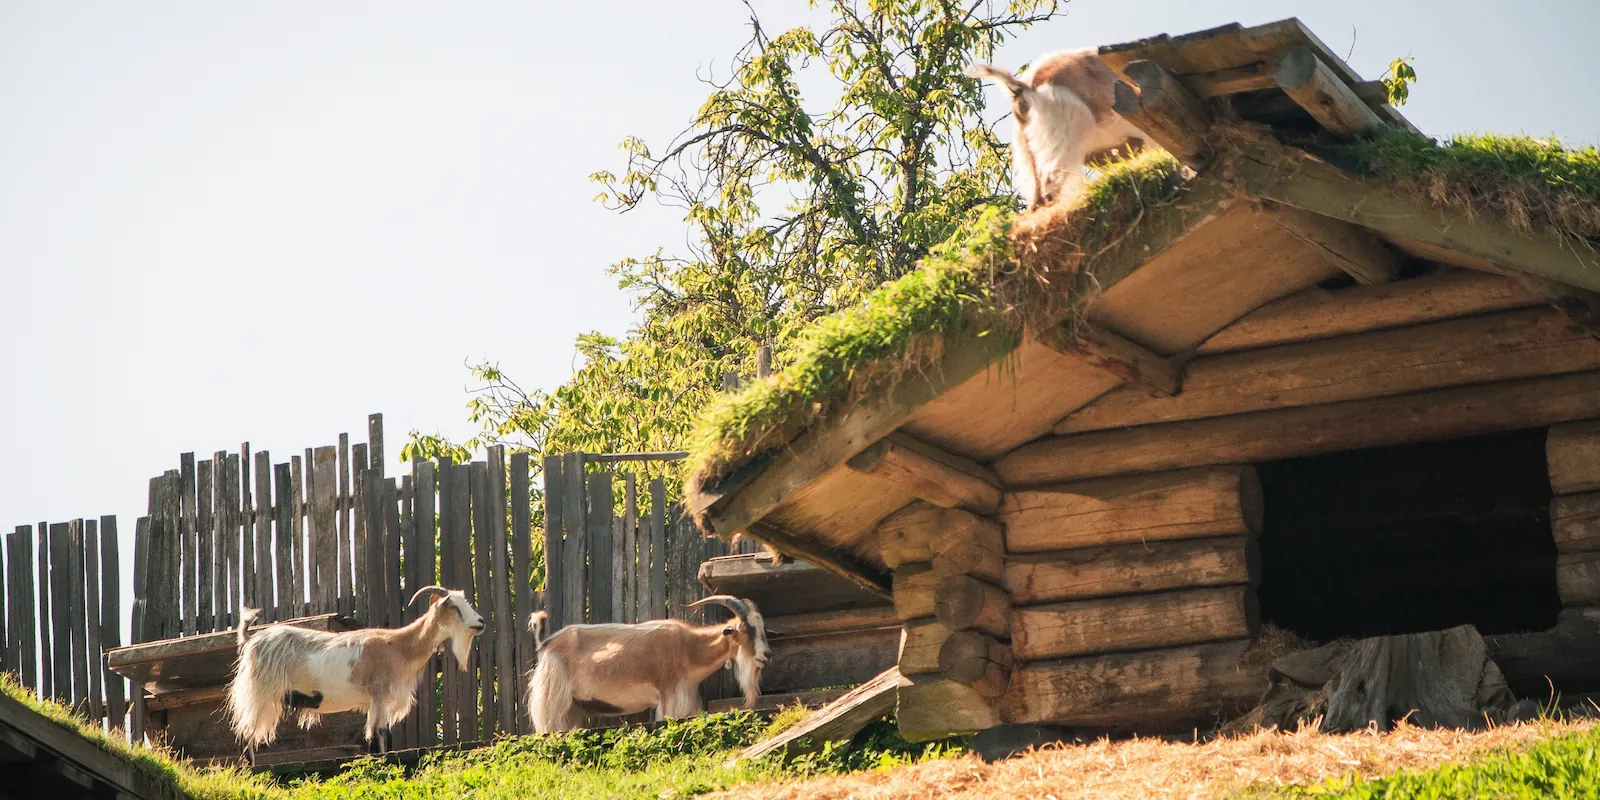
x: 1312, y: 430
x: 1166, y: 110
x: 1305, y: 77
x: 963, y: 603
x: 1360, y: 254
x: 920, y: 640
x: 1132, y: 569
x: 1575, y: 522
x: 1135, y: 622
x: 1573, y: 451
x: 933, y: 708
x: 521, y: 581
x: 1184, y: 504
x: 924, y: 471
x: 914, y: 587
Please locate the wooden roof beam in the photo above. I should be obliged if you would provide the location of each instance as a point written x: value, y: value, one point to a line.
x: 1285, y: 175
x: 1165, y: 109
x: 1364, y: 256
x: 1108, y: 352
x: 925, y: 471
x: 1312, y: 84
x: 867, y: 576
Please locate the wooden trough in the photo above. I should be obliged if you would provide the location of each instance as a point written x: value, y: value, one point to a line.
x: 1306, y: 399
x: 185, y: 682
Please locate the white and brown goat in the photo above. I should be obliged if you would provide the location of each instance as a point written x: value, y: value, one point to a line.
x: 616, y: 669
x: 1063, y: 109
x: 320, y: 672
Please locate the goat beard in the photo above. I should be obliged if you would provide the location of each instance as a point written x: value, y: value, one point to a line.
x: 460, y: 647
x: 749, y: 677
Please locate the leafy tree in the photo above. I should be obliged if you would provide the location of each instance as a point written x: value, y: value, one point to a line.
x: 795, y: 208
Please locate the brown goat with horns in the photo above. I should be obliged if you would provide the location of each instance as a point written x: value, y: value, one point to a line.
x: 615, y: 669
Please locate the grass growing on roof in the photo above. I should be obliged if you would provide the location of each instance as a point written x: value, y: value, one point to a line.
x: 977, y: 283
x: 1533, y: 184
x: 232, y: 783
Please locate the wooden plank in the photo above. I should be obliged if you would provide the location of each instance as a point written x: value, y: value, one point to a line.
x: 359, y: 574
x: 1305, y: 77
x: 389, y: 496
x: 1140, y: 369
x: 409, y: 732
x: 231, y: 530
x: 934, y: 708
x: 47, y: 673
x: 449, y: 699
x: 1131, y: 569
x: 1290, y: 176
x: 485, y: 644
x: 425, y: 483
x: 1360, y: 254
x: 521, y: 582
x: 137, y: 659
x: 169, y: 559
x: 619, y: 571
x: 837, y: 721
x: 925, y: 471
x: 658, y: 548
x: 283, y: 537
x: 111, y: 620
x: 1321, y: 314
x: 575, y: 544
x: 188, y: 547
x: 826, y: 622
x: 836, y: 659
x: 1575, y: 522
x: 778, y: 701
x: 506, y: 623
x: 266, y: 596
x: 1523, y: 343
x: 92, y: 660
x: 1166, y: 111
x: 634, y: 571
x: 298, y: 509
x: 324, y: 539
x: 375, y: 546
x: 1313, y: 430
x: 683, y: 545
x: 61, y: 607
x: 375, y: 443
x: 347, y: 586
x: 1185, y: 504
x: 205, y: 551
x: 1135, y: 622
x: 865, y: 575
x: 249, y: 577
x: 1156, y: 690
x: 11, y: 649
x: 1234, y: 80
x: 555, y: 494
x: 1578, y: 579
x: 1573, y: 453
x: 219, y: 542
x: 139, y: 630
x: 461, y: 563
x: 19, y: 603
x: 600, y: 555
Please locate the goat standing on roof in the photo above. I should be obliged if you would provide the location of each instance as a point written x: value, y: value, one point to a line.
x: 615, y: 669
x: 1063, y: 109
x: 318, y: 672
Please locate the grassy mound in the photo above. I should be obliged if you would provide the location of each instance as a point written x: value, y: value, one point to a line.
x: 995, y: 275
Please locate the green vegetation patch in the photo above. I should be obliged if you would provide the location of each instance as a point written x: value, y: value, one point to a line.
x: 232, y: 783
x: 986, y: 280
x: 1534, y: 185
x: 680, y: 759
x: 1563, y: 767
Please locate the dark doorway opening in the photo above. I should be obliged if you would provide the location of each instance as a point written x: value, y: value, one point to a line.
x: 1409, y: 539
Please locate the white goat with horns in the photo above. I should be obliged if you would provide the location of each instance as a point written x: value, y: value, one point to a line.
x: 1062, y: 106
x: 616, y: 669
x: 318, y: 672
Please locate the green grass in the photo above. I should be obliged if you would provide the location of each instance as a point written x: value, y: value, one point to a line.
x: 972, y: 284
x: 1563, y: 767
x: 218, y: 784
x: 678, y: 760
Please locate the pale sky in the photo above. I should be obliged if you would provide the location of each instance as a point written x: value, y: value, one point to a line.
x: 227, y: 222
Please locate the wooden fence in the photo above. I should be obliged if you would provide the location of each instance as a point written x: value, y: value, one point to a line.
x: 329, y: 532
x: 62, y: 611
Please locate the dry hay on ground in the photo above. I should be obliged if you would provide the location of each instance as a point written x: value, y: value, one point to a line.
x: 1151, y: 768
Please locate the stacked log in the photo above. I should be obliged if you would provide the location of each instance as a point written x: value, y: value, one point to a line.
x: 1134, y: 599
x: 955, y: 650
x: 1573, y: 451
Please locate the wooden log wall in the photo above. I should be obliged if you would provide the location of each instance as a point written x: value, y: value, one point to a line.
x: 1573, y: 453
x: 1134, y: 599
x: 60, y: 610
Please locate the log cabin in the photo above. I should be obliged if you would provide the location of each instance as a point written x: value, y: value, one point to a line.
x: 1305, y: 368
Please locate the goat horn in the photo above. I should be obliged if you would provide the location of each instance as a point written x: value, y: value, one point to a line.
x: 732, y: 603
x: 425, y: 590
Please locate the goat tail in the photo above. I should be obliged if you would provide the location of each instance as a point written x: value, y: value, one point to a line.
x: 550, y: 695
x: 1000, y: 76
x: 245, y: 618
x: 255, y: 696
